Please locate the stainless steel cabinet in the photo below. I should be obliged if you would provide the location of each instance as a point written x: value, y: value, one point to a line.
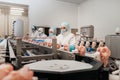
x: 87, y: 32
x: 113, y: 42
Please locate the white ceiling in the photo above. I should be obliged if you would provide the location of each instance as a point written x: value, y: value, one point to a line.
x: 73, y: 1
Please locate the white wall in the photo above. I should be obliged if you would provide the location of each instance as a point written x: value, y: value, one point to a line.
x: 52, y: 13
x: 103, y: 14
x: 49, y: 12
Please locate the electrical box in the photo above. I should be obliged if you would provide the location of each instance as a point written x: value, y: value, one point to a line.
x: 87, y: 31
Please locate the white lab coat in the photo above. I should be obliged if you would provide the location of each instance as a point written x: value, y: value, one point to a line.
x: 34, y: 34
x: 49, y: 39
x: 66, y: 38
x: 42, y: 35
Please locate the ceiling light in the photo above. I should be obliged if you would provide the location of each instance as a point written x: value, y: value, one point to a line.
x: 21, y: 9
x: 16, y: 11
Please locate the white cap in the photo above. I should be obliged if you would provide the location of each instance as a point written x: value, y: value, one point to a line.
x: 40, y: 29
x: 117, y: 30
x: 66, y: 24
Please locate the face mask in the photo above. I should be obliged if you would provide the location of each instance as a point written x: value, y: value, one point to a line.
x: 50, y: 34
x: 40, y: 33
x: 63, y: 31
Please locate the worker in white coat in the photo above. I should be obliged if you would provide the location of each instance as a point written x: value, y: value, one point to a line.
x: 34, y: 32
x: 41, y: 33
x: 66, y: 38
x: 52, y: 34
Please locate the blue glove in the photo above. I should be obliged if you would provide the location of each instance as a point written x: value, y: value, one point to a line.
x: 41, y: 40
x: 71, y: 47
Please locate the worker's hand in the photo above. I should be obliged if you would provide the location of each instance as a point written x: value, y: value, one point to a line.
x: 5, y: 69
x: 22, y: 74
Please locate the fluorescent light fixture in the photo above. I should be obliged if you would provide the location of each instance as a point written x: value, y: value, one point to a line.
x: 21, y: 9
x: 16, y: 11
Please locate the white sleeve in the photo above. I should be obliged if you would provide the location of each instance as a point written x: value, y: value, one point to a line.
x: 36, y: 34
x: 72, y: 40
x: 58, y: 39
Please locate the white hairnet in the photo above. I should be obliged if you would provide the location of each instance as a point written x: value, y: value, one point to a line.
x: 117, y: 30
x: 40, y: 30
x: 66, y: 25
x: 53, y: 29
